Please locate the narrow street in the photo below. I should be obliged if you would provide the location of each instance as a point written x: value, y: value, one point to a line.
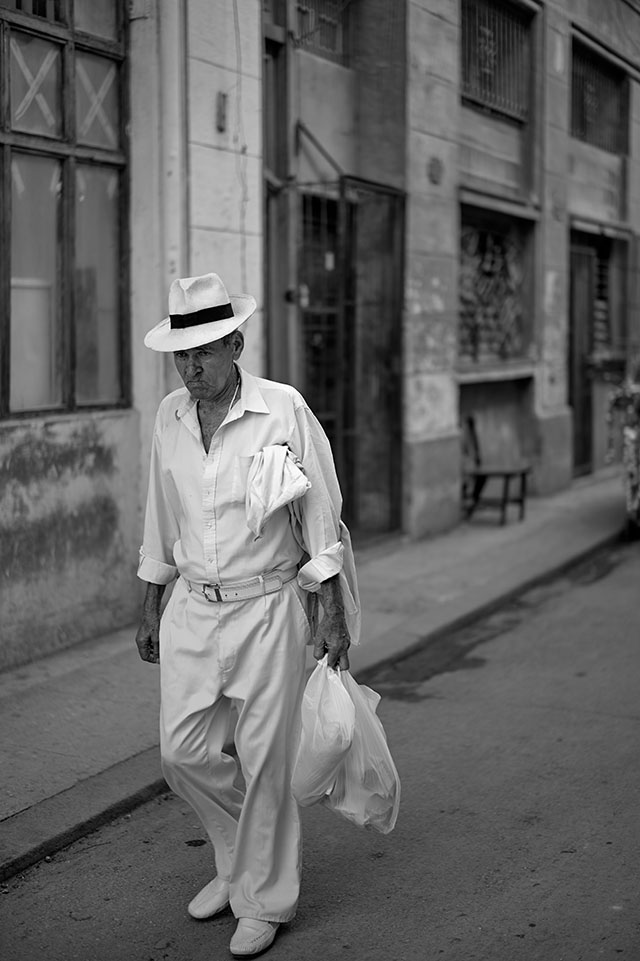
x: 517, y: 746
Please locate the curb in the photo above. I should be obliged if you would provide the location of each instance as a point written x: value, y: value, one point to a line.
x: 42, y: 830
x: 45, y: 828
x: 478, y: 611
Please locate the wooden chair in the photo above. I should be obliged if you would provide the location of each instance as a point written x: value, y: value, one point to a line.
x: 475, y: 475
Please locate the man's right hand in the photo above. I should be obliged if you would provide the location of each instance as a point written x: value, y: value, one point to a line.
x: 148, y: 636
x: 148, y: 640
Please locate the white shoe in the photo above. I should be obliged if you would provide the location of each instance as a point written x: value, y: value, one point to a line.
x: 213, y: 898
x: 252, y: 936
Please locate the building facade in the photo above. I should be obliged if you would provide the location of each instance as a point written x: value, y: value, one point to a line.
x: 435, y: 203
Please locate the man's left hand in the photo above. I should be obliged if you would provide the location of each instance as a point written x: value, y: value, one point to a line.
x: 332, y: 635
x: 332, y: 638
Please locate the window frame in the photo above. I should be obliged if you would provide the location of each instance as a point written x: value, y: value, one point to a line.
x: 523, y: 14
x: 614, y: 72
x: 69, y: 154
x: 485, y: 220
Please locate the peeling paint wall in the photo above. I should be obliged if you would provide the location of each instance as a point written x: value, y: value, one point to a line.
x: 68, y: 531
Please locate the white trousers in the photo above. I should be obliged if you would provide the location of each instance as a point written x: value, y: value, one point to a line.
x: 252, y: 653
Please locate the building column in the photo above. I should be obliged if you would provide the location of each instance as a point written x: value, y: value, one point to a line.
x: 431, y: 436
x: 554, y: 463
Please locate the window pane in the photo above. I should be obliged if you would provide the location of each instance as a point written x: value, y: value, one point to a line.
x: 98, y: 17
x: 97, y: 286
x: 36, y: 69
x: 97, y: 114
x: 35, y: 375
x: 599, y: 112
x: 49, y: 9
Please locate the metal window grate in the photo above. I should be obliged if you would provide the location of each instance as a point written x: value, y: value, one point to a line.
x: 599, y: 102
x: 496, y: 56
x: 323, y: 28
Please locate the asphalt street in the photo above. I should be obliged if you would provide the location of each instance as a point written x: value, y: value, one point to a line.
x: 517, y: 744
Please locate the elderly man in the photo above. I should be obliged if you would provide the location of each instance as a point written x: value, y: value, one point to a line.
x: 249, y: 550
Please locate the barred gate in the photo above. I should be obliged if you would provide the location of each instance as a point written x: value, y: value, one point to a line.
x: 350, y: 286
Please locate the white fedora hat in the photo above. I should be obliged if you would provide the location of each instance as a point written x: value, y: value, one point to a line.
x: 200, y: 311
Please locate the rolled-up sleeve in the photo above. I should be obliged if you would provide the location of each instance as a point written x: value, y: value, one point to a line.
x: 321, y: 506
x: 325, y: 537
x: 157, y: 564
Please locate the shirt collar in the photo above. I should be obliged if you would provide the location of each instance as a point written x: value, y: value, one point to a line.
x: 186, y: 404
x: 250, y: 394
x: 250, y: 398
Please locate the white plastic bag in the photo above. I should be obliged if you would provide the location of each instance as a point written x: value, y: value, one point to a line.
x: 328, y: 717
x: 367, y: 787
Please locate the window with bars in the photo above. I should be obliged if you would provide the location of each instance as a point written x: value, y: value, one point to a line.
x: 323, y: 28
x: 63, y: 160
x: 496, y: 57
x: 599, y: 101
x: 494, y: 290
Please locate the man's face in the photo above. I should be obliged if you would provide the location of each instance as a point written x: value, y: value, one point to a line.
x: 206, y: 370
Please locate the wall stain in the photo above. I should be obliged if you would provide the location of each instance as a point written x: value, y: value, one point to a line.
x: 66, y: 535
x: 38, y: 457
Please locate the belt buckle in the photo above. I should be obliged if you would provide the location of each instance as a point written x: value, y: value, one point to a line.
x: 216, y: 588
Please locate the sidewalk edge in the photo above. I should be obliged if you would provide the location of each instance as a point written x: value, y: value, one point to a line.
x: 54, y: 823
x: 477, y: 611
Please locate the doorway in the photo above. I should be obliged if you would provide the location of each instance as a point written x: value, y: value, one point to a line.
x: 581, y: 321
x: 350, y: 306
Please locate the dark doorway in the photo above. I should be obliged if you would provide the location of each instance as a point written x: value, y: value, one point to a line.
x: 581, y: 324
x: 350, y: 298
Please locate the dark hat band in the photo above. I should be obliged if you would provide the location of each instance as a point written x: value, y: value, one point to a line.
x: 204, y: 316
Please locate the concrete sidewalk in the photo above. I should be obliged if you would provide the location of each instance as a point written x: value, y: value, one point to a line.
x: 79, y: 728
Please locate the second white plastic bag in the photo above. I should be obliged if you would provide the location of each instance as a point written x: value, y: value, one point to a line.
x: 328, y: 718
x: 366, y: 790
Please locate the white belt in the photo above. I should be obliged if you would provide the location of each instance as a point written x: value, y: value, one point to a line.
x: 254, y: 587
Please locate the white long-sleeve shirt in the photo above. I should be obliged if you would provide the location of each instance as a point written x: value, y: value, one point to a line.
x: 196, y: 522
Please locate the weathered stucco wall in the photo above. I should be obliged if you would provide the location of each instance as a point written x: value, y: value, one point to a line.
x: 68, y: 531
x: 148, y: 226
x: 325, y: 101
x: 432, y: 448
x: 554, y: 462
x: 578, y: 181
x: 491, y: 154
x: 614, y: 22
x: 224, y: 131
x: 380, y: 61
